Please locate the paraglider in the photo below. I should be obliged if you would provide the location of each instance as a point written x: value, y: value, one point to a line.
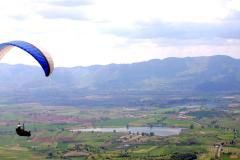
x: 42, y: 57
x: 20, y: 130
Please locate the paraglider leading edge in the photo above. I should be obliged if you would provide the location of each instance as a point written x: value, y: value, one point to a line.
x: 43, y: 58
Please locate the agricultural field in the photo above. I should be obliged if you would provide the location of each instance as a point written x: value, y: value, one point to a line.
x: 207, y: 133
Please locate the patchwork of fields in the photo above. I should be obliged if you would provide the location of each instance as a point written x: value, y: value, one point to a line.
x: 206, y: 129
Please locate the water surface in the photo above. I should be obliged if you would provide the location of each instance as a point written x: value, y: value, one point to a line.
x: 158, y: 131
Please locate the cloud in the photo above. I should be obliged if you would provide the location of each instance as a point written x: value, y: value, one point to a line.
x: 235, y: 15
x: 229, y: 30
x: 71, y: 3
x: 122, y: 31
x: 62, y: 13
x: 19, y: 17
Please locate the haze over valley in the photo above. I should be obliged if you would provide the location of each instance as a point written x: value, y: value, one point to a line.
x: 141, y: 83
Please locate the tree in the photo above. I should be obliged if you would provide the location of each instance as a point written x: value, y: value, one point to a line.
x: 124, y: 154
x: 151, y: 133
x: 183, y: 156
x: 191, y: 126
x: 77, y: 147
x: 50, y: 154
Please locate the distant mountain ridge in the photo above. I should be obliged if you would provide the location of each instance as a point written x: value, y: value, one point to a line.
x: 195, y: 74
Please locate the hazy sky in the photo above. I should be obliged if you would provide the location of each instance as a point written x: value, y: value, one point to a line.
x: 87, y: 32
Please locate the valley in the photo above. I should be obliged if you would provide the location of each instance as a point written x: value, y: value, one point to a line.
x: 205, y: 129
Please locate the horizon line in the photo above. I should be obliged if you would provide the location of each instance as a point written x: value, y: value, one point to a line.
x: 222, y: 55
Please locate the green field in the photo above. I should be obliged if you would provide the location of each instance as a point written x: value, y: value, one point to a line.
x: 52, y: 139
x: 119, y: 122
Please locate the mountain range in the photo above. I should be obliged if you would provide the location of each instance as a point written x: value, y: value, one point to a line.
x: 76, y: 85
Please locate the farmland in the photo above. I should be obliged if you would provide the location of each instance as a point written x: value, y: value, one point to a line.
x: 205, y: 130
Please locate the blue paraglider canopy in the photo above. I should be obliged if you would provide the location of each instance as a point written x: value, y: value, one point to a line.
x: 42, y: 57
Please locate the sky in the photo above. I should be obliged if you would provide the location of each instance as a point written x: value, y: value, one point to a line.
x: 89, y: 32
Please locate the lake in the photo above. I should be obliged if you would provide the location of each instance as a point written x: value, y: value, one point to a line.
x: 158, y: 131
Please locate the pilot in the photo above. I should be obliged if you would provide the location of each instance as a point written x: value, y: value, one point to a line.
x: 21, y: 131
